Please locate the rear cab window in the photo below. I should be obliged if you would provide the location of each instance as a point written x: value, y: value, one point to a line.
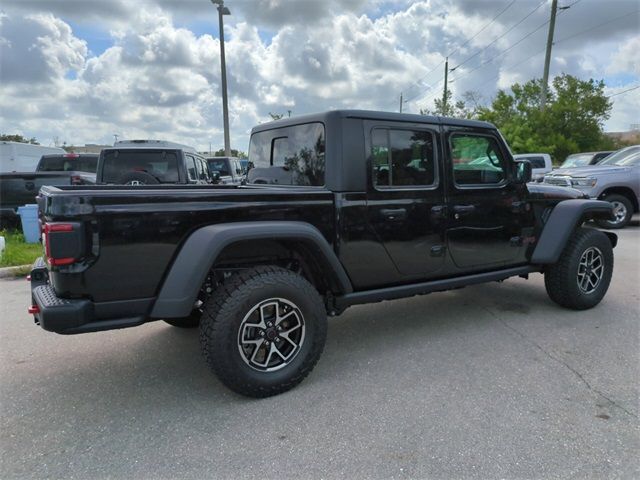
x: 293, y: 155
x: 67, y: 163
x: 160, y: 164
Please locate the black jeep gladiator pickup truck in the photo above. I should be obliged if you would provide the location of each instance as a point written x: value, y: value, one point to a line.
x: 342, y: 208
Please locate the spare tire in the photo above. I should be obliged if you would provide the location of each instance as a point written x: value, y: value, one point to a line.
x: 138, y: 178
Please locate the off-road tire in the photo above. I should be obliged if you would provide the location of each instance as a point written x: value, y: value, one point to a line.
x: 192, y: 321
x: 628, y: 206
x: 225, y: 312
x: 561, y: 279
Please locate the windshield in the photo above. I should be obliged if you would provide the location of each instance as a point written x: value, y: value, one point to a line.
x: 158, y: 164
x: 64, y: 163
x: 626, y: 157
x: 577, y: 160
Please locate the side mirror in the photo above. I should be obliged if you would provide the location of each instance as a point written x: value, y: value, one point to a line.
x: 215, y: 176
x: 523, y: 171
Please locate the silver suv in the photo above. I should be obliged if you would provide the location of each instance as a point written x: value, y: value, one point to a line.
x: 615, y: 179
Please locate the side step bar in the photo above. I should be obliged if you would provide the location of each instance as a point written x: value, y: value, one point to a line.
x: 370, y: 296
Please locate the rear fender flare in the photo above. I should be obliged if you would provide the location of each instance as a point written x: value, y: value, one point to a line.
x: 563, y: 220
x: 199, y: 252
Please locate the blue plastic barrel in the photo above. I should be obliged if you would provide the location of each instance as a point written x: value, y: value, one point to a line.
x: 30, y: 227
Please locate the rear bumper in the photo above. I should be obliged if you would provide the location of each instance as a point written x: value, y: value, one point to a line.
x: 70, y: 316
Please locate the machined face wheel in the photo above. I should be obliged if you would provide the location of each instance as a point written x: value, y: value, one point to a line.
x: 271, y: 335
x: 619, y: 212
x: 590, y: 270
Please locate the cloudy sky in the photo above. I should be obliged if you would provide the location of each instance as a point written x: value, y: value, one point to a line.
x: 84, y: 70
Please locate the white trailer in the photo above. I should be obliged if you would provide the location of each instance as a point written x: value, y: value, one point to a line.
x: 22, y: 157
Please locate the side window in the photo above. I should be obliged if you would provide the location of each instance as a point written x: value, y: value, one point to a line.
x: 191, y: 168
x: 403, y: 158
x: 203, y: 171
x: 292, y: 155
x: 476, y: 160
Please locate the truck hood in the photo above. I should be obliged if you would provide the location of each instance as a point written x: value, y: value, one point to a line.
x: 590, y: 171
x: 542, y: 191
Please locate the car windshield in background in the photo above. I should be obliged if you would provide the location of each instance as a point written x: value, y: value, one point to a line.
x: 577, y: 160
x: 288, y: 156
x: 626, y: 157
x: 160, y: 164
x: 64, y: 163
x: 219, y: 165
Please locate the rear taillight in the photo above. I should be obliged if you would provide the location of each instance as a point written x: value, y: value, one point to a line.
x: 61, y: 243
x: 76, y: 180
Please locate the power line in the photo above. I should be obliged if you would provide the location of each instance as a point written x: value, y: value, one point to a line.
x: 595, y: 27
x: 624, y: 91
x: 483, y: 28
x: 501, y: 36
x: 416, y: 83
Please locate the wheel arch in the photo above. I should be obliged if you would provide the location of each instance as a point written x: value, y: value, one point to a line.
x: 207, y: 245
x: 563, y: 220
x: 626, y: 192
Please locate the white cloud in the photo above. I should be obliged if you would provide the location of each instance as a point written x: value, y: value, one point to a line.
x: 158, y: 79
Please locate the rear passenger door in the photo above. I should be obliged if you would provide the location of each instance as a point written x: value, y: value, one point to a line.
x: 405, y: 202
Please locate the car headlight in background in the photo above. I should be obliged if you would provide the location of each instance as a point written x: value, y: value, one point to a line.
x: 584, y: 182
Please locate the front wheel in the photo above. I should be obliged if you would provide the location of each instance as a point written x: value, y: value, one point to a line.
x: 622, y: 212
x: 581, y: 277
x: 263, y: 331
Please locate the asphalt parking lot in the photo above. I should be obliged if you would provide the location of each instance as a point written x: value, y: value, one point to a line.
x: 491, y: 381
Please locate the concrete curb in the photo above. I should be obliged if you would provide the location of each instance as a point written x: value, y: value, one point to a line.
x: 12, y: 272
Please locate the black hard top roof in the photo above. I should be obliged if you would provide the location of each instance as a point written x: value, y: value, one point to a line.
x: 370, y: 115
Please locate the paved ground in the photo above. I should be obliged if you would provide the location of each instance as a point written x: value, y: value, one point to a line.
x: 492, y: 381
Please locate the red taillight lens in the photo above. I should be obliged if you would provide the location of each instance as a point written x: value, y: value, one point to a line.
x: 76, y: 180
x: 50, y: 228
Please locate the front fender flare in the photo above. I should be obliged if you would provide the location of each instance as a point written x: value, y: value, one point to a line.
x: 188, y: 271
x: 564, y: 218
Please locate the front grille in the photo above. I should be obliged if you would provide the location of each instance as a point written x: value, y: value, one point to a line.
x: 560, y: 181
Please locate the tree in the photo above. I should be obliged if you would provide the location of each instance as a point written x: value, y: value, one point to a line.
x: 234, y: 153
x: 18, y: 138
x: 466, y: 107
x: 571, y: 122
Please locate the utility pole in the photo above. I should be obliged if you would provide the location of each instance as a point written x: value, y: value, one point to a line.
x: 222, y: 10
x: 400, y: 102
x: 547, y: 58
x: 446, y: 83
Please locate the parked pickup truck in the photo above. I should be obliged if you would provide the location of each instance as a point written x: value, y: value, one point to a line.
x: 151, y: 162
x: 352, y: 207
x: 21, y: 188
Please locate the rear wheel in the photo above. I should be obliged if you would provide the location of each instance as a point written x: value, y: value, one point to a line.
x: 263, y: 331
x: 581, y: 277
x: 622, y: 212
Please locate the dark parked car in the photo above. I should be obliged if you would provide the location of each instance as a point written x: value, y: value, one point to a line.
x: 584, y: 159
x: 151, y: 162
x: 20, y: 188
x: 352, y: 207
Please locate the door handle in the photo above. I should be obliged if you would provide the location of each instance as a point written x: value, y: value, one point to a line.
x: 461, y: 210
x: 394, y: 213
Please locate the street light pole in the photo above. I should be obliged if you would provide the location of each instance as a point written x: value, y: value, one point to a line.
x: 222, y: 10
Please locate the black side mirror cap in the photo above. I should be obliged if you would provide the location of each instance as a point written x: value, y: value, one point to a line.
x: 523, y: 171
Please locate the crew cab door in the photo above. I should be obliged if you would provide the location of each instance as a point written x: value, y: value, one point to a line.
x: 489, y: 220
x: 405, y: 195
